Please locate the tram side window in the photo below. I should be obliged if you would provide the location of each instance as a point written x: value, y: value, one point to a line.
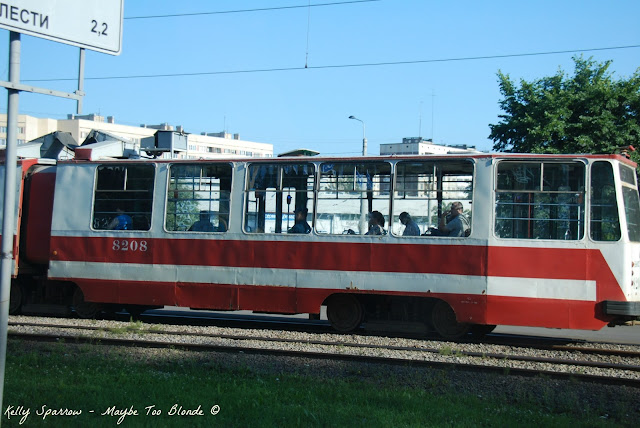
x: 274, y: 193
x: 540, y: 200
x: 426, y: 191
x: 198, y: 197
x: 123, y: 197
x: 349, y: 192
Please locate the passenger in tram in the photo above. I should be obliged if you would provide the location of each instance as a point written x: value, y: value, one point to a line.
x: 121, y: 221
x: 223, y: 224
x: 452, y: 223
x: 301, y: 225
x: 410, y: 226
x: 376, y: 224
x: 202, y: 225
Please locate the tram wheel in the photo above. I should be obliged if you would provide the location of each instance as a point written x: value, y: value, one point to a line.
x: 344, y: 312
x: 445, y: 323
x: 479, y: 331
x: 15, y: 299
x: 83, y: 308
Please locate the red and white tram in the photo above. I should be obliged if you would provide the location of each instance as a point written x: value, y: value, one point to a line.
x: 549, y: 241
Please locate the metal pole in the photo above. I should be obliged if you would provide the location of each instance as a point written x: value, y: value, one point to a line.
x: 364, y: 209
x: 364, y: 135
x: 433, y: 132
x: 363, y: 203
x: 80, y: 81
x: 8, y: 220
x: 364, y: 141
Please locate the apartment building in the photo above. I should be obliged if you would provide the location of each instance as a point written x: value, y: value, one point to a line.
x: 200, y: 146
x: 420, y: 146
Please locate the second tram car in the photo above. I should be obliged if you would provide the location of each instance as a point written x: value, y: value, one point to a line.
x: 547, y: 241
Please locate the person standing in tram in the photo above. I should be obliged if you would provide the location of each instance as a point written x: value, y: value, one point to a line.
x: 376, y: 223
x: 451, y: 223
x: 410, y: 226
x: 121, y: 221
x: 301, y: 225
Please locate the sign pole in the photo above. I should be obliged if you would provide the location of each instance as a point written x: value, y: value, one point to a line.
x: 80, y: 91
x: 8, y: 221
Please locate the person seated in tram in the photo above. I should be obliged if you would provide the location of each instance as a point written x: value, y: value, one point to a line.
x: 223, y: 224
x: 301, y: 225
x: 202, y: 225
x: 376, y: 224
x: 453, y: 223
x: 121, y: 221
x: 410, y: 226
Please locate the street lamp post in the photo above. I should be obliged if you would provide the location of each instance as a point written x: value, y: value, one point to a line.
x: 363, y: 203
x: 364, y: 136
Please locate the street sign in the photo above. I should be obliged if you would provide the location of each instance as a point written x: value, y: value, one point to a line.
x: 90, y: 24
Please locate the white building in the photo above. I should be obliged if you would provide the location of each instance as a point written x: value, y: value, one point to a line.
x: 420, y: 146
x: 203, y: 146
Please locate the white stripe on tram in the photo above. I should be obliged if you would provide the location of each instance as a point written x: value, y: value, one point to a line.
x: 564, y: 289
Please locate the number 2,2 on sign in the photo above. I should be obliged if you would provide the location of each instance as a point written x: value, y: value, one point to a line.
x: 99, y: 29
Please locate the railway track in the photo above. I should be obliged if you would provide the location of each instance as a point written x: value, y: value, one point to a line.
x: 275, y: 323
x: 565, y: 348
x: 253, y: 321
x: 578, y: 362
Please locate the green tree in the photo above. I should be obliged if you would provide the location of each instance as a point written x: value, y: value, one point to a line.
x: 589, y: 112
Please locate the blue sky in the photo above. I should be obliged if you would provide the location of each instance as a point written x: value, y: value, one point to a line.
x: 452, y: 101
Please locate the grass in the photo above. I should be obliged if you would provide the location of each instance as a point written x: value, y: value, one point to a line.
x: 131, y: 327
x: 268, y: 392
x: 447, y: 350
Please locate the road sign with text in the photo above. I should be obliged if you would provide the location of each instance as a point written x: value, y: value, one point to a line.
x: 89, y: 24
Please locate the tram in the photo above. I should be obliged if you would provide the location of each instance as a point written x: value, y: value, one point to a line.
x: 546, y: 240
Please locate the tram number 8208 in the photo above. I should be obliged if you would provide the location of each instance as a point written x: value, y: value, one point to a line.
x: 129, y: 245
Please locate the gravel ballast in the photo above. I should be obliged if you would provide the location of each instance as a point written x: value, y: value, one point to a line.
x: 446, y: 352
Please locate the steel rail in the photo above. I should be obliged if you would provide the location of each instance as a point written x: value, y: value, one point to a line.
x: 545, y: 343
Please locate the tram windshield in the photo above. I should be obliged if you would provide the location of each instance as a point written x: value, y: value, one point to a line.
x: 605, y: 224
x: 631, y: 202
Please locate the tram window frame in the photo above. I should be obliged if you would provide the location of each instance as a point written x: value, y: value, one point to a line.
x: 438, y: 184
x: 369, y: 182
x: 274, y: 186
x: 630, y: 201
x: 118, y: 192
x: 599, y: 200
x: 554, y: 208
x: 203, y: 191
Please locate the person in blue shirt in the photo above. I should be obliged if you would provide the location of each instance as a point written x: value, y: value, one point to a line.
x: 301, y: 225
x: 451, y: 223
x: 410, y: 226
x: 202, y: 225
x: 121, y: 222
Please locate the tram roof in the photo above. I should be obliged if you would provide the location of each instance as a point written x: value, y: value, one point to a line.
x: 298, y: 159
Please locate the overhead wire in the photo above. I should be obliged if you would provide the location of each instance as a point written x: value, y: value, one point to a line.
x: 335, y: 66
x: 262, y: 9
x: 474, y: 58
